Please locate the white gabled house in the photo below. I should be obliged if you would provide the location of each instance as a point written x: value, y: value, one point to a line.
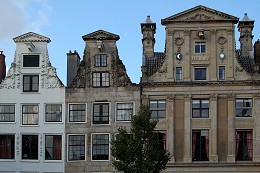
x: 32, y: 110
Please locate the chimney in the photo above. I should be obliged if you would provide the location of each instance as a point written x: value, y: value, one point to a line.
x: 2, y: 66
x: 73, y: 61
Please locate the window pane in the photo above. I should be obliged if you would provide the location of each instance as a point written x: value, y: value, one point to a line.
x: 100, y: 147
x: 30, y: 147
x: 30, y: 114
x: 7, y: 146
x: 76, y: 147
x: 77, y: 112
x: 31, y: 60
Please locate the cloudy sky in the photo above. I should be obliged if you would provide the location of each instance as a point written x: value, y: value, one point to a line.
x: 66, y: 21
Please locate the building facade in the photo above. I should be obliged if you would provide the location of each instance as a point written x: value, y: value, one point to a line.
x: 32, y: 111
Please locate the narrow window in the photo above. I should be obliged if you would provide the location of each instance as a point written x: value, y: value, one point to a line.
x: 124, y: 111
x: 221, y: 72
x: 53, y: 147
x: 100, y: 147
x: 77, y: 113
x: 7, y: 113
x: 30, y: 147
x: 178, y: 73
x: 100, y: 79
x: 244, y: 145
x: 101, y: 113
x: 200, y: 108
x: 200, y: 73
x: 200, y: 47
x: 100, y: 61
x: 158, y: 108
x: 53, y: 113
x: 76, y: 147
x: 31, y: 60
x: 200, y: 145
x: 161, y: 139
x: 7, y: 146
x: 30, y: 83
x: 244, y: 107
x: 30, y: 114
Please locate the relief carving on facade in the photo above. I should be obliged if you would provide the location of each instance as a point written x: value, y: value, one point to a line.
x: 213, y: 97
x: 170, y: 97
x: 230, y: 31
x: 231, y: 96
x: 199, y: 16
x: 17, y: 145
x: 213, y: 31
x: 170, y: 33
x: 221, y: 40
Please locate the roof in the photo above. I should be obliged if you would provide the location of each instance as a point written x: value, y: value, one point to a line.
x: 154, y: 63
x: 100, y: 35
x: 31, y: 37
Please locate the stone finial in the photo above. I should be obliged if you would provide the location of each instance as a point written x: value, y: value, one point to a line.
x: 148, y: 20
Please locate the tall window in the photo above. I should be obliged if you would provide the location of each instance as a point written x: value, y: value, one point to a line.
x: 31, y: 60
x: 100, y: 147
x: 30, y: 114
x: 30, y: 147
x: 158, y: 108
x: 53, y: 147
x: 77, y: 112
x: 244, y: 145
x: 53, y: 113
x: 100, y: 60
x: 161, y: 138
x: 76, y: 147
x: 100, y: 79
x: 101, y: 113
x: 200, y: 73
x: 124, y: 111
x: 200, y: 108
x: 178, y: 73
x: 244, y: 107
x: 200, y: 47
x: 7, y: 146
x: 30, y: 83
x: 7, y: 113
x: 221, y: 72
x: 200, y: 145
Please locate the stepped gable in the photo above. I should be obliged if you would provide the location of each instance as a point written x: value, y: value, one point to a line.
x: 200, y: 14
x: 154, y: 63
x: 100, y: 35
x: 31, y: 37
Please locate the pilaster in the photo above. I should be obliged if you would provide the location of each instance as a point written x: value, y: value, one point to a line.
x: 187, y: 129
x: 256, y: 129
x: 170, y: 51
x: 231, y: 129
x: 187, y: 71
x: 213, y: 137
x: 170, y: 117
x: 213, y: 63
x: 231, y: 54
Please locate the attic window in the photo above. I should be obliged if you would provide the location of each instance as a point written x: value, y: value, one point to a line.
x: 31, y: 60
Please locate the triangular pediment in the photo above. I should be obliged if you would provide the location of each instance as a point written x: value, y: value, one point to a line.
x: 200, y: 14
x: 100, y: 35
x: 31, y: 37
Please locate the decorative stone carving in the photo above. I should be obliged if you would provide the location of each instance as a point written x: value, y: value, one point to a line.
x: 186, y: 32
x: 41, y: 145
x: 213, y: 97
x: 231, y: 96
x: 178, y: 41
x: 17, y: 145
x: 199, y: 16
x: 230, y: 31
x: 213, y: 31
x: 221, y: 40
x: 170, y: 98
x: 170, y: 33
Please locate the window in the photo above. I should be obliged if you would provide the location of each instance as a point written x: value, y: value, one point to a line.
x: 30, y: 83
x: 53, y: 113
x: 30, y: 114
x: 101, y: 79
x: 53, y: 147
x: 244, y: 145
x: 161, y: 138
x: 244, y: 107
x: 77, y: 147
x: 221, y: 72
x: 77, y: 112
x: 178, y: 73
x: 100, y: 147
x: 7, y: 113
x: 7, y: 146
x: 200, y: 145
x: 200, y: 73
x: 100, y: 61
x: 200, y: 47
x: 101, y: 113
x: 124, y: 111
x: 31, y: 60
x: 158, y: 108
x: 200, y: 108
x: 30, y: 147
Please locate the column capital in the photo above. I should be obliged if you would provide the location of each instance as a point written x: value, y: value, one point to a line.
x: 213, y: 97
x: 187, y: 97
x: 231, y: 96
x: 170, y: 97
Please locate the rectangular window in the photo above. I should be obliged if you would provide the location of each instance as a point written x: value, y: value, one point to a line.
x: 161, y: 138
x: 7, y: 113
x: 77, y: 112
x: 7, y: 146
x: 100, y: 60
x: 76, y: 147
x: 100, y: 79
x: 30, y: 83
x: 221, y: 72
x: 53, y: 147
x: 124, y: 111
x: 200, y: 73
x: 200, y: 108
x: 200, y: 47
x: 178, y: 73
x: 31, y: 60
x: 244, y: 107
x: 30, y: 147
x: 53, y: 113
x: 200, y: 145
x: 158, y: 108
x: 101, y: 113
x: 244, y: 145
x: 100, y: 147
x: 30, y: 114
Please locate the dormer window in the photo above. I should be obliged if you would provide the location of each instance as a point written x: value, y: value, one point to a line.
x: 31, y: 60
x: 100, y: 60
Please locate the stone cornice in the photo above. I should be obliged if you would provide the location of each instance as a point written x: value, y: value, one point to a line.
x: 28, y: 38
x: 100, y: 35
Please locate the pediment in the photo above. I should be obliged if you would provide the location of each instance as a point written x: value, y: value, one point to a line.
x: 200, y: 14
x: 100, y: 35
x: 31, y: 37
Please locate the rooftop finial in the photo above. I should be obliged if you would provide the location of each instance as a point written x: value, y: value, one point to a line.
x: 148, y: 19
x: 1, y: 52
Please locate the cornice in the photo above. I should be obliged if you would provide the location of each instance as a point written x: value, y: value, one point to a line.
x: 27, y: 38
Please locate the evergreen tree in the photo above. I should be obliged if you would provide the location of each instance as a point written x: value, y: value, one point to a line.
x: 139, y: 150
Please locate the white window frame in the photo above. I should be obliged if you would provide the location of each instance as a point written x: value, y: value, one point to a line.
x: 9, y: 104
x: 133, y: 108
x: 22, y: 115
x: 21, y: 146
x: 62, y: 112
x: 72, y: 122
x: 84, y: 147
x: 92, y: 113
x: 62, y: 146
x: 109, y: 152
x: 31, y: 55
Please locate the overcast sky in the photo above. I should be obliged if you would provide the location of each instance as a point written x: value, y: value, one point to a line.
x: 66, y: 21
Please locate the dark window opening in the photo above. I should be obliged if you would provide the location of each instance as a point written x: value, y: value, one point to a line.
x: 200, y: 145
x: 30, y: 83
x: 30, y: 147
x: 7, y: 146
x: 31, y: 60
x: 53, y: 147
